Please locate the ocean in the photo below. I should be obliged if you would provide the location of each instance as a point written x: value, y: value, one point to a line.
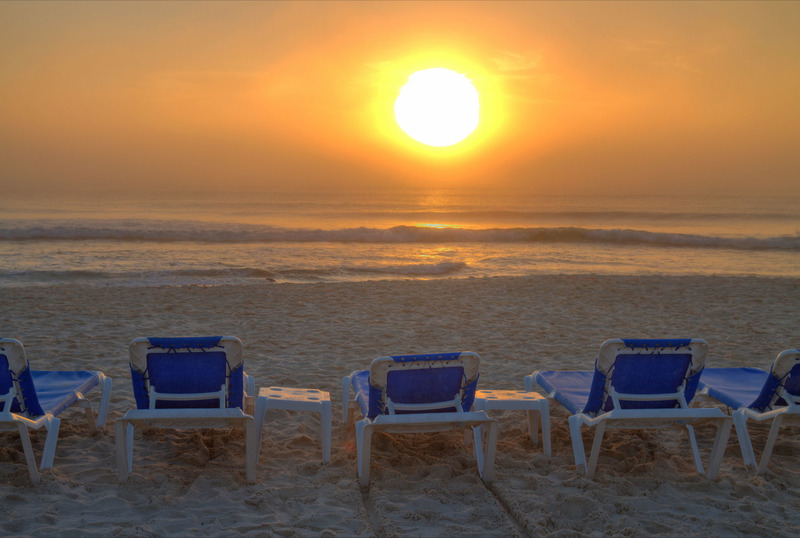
x: 183, y: 239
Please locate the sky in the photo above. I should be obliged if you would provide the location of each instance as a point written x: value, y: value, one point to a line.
x: 575, y: 97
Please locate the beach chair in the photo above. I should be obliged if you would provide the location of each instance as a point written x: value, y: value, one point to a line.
x: 185, y: 383
x: 754, y: 393
x: 414, y: 394
x: 33, y: 399
x: 636, y: 384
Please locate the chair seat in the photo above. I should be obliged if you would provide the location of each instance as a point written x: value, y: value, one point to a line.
x: 570, y: 388
x: 57, y: 389
x: 735, y: 387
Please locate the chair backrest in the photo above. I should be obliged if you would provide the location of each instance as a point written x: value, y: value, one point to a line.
x: 782, y: 386
x: 646, y: 374
x: 16, y: 382
x: 441, y: 382
x: 187, y: 372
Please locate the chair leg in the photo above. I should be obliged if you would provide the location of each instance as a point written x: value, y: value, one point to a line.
x: 718, y: 449
x: 491, y: 451
x: 251, y: 453
x: 473, y: 436
x: 773, y: 434
x: 695, y: 452
x: 577, y: 444
x: 102, y: 411
x: 250, y: 385
x: 351, y: 417
x: 49, y: 452
x: 98, y: 422
x: 528, y: 381
x: 598, y: 440
x: 363, y: 448
x: 746, y: 445
x: 30, y: 459
x: 345, y: 400
x: 469, y: 440
x: 87, y: 409
x: 121, y: 444
x: 130, y: 430
x: 477, y: 447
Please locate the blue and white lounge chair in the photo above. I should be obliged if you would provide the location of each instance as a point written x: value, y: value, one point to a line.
x: 418, y: 393
x: 760, y: 395
x: 185, y: 383
x: 636, y: 384
x: 32, y: 399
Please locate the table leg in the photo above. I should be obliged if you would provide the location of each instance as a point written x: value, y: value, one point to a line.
x: 261, y: 409
x: 326, y: 431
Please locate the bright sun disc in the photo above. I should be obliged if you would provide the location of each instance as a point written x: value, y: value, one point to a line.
x: 437, y: 107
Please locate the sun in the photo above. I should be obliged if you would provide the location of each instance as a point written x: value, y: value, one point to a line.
x: 437, y: 107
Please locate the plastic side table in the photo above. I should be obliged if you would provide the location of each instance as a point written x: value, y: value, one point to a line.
x: 534, y: 404
x: 295, y: 399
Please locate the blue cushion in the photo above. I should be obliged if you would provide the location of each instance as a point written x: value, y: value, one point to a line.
x: 747, y: 387
x: 25, y: 379
x: 571, y: 387
x: 646, y: 374
x: 6, y: 378
x: 187, y: 373
x: 47, y: 391
x: 56, y: 389
x: 584, y: 390
x: 792, y: 381
x: 413, y: 386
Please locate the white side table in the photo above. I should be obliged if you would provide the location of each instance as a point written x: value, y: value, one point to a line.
x: 295, y: 399
x: 534, y: 404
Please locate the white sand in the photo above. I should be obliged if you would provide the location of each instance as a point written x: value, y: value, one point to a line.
x: 192, y: 483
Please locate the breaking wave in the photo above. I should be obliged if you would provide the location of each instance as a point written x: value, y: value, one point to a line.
x: 169, y: 231
x: 231, y: 275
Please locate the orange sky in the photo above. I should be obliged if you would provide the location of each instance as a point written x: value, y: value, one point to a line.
x: 576, y: 97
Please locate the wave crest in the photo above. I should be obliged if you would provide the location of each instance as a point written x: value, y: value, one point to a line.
x: 164, y: 231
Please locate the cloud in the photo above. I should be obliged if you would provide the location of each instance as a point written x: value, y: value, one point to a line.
x: 517, y: 64
x: 662, y: 54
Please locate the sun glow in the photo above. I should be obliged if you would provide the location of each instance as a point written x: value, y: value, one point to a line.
x: 437, y: 107
x: 435, y: 225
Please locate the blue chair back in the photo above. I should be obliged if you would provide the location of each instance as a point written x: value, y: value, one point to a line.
x: 423, y: 379
x: 193, y: 365
x: 784, y: 374
x: 15, y: 374
x: 646, y: 366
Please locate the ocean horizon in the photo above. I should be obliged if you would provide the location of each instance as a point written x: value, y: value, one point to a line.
x: 146, y: 239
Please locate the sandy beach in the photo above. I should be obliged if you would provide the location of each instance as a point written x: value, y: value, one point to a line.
x: 190, y: 483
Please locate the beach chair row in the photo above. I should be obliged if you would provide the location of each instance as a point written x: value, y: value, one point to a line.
x: 200, y: 382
